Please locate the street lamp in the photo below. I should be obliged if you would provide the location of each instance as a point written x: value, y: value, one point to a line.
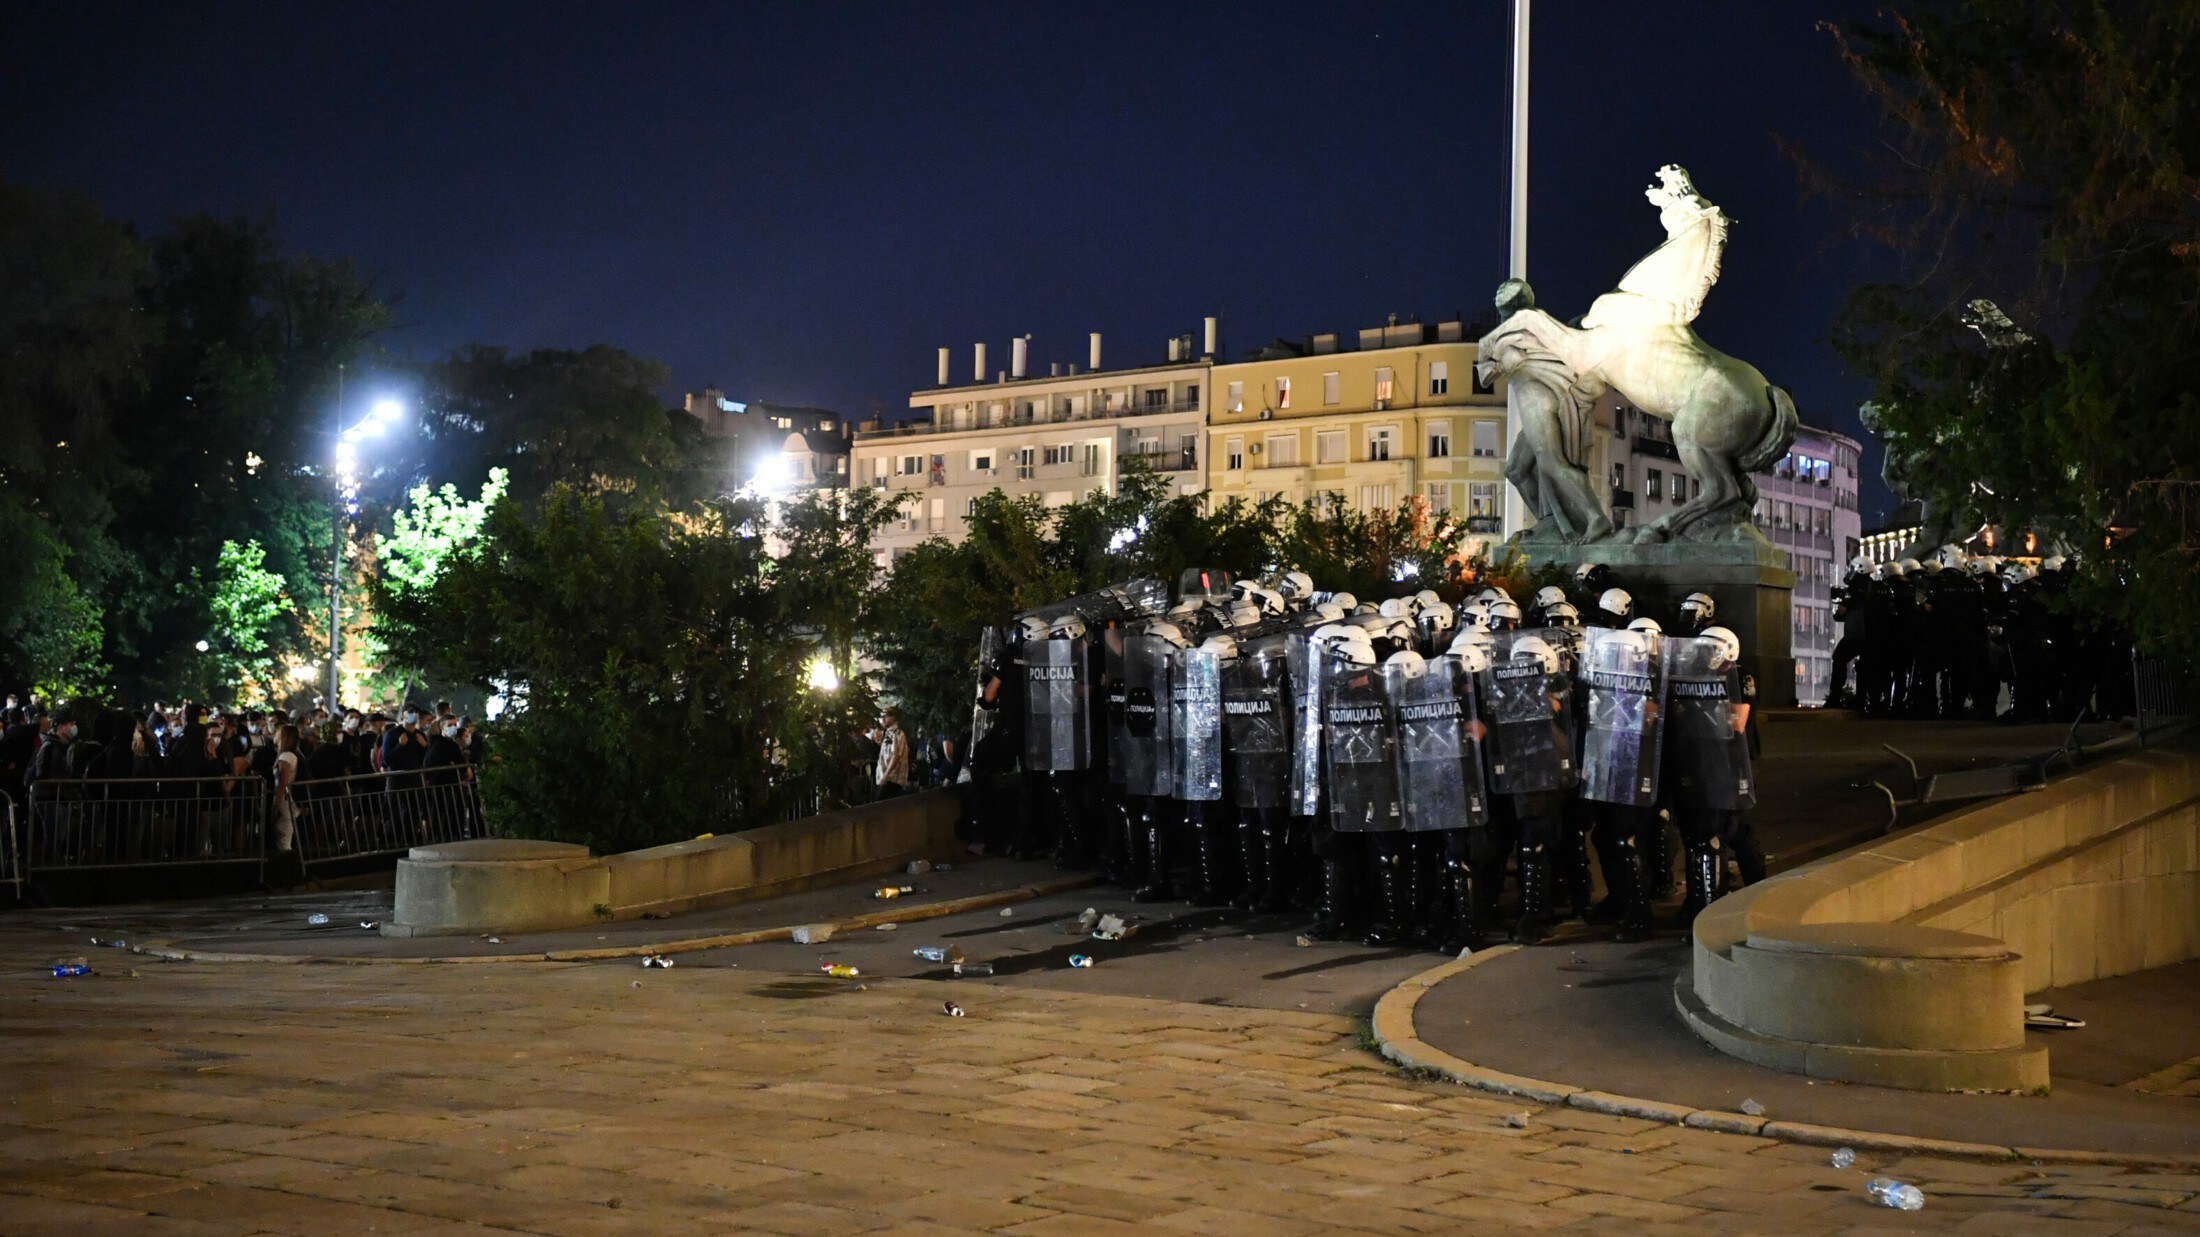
x: 378, y: 421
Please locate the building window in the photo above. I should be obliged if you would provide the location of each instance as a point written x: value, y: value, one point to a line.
x: 1384, y: 381
x: 1439, y: 497
x: 909, y: 466
x: 1283, y: 392
x: 1482, y: 498
x: 1060, y: 455
x: 1329, y: 447
x: 1188, y: 451
x: 1236, y: 399
x: 1157, y: 399
x: 938, y: 519
x: 1653, y: 485
x: 1149, y: 447
x: 982, y: 462
x: 1680, y: 488
x: 1025, y: 465
x: 1375, y: 498
x: 1439, y: 440
x: 1485, y: 440
x: 970, y: 508
x: 1093, y: 456
x: 1233, y: 453
x: 1619, y: 477
x: 1332, y: 388
x: 1378, y: 441
x: 1283, y: 450
x: 1191, y: 395
x: 1439, y: 377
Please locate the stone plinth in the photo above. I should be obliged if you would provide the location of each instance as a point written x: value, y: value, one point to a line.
x: 1748, y: 577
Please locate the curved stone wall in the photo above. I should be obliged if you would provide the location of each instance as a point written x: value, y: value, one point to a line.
x: 1905, y: 962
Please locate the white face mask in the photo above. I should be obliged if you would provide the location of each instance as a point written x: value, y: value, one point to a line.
x: 450, y: 732
x: 412, y: 719
x: 351, y: 723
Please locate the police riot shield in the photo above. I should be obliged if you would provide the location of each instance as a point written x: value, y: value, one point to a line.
x: 989, y: 661
x: 1195, y: 723
x: 1527, y: 702
x: 1057, y: 738
x: 1359, y: 741
x: 1307, y: 672
x: 1707, y: 759
x: 1439, y: 772
x: 1118, y: 731
x: 1149, y: 767
x: 1624, y: 698
x: 1256, y: 723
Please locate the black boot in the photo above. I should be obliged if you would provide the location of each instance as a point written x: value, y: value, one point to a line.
x: 1425, y: 891
x: 1214, y: 842
x: 1329, y: 920
x: 1253, y: 860
x: 1390, y: 896
x: 1706, y: 867
x: 1128, y: 869
x: 1465, y: 929
x: 1624, y: 875
x: 1157, y: 887
x: 1573, y: 872
x: 1275, y: 847
x: 1072, y: 849
x: 1657, y: 859
x: 1534, y: 924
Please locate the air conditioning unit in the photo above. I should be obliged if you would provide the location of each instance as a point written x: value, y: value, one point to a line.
x: 1267, y: 414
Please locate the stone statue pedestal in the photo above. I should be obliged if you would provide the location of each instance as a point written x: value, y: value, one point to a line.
x: 1748, y: 577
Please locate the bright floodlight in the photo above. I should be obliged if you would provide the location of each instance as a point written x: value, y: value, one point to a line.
x: 774, y: 475
x: 823, y: 678
x: 386, y: 411
x: 200, y: 646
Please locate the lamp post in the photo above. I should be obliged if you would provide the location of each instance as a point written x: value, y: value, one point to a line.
x: 377, y: 422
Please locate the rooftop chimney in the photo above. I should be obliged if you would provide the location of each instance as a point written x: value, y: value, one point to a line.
x: 1019, y: 354
x: 1210, y: 349
x: 977, y: 371
x: 943, y: 367
x: 1095, y: 364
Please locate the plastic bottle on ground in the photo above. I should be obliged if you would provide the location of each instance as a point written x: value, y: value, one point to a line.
x: 1888, y: 1192
x: 1844, y: 1158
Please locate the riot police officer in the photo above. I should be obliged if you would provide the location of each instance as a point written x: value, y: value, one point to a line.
x: 1529, y: 713
x: 1713, y: 784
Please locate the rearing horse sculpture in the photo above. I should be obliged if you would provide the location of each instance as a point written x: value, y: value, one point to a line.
x: 1727, y: 420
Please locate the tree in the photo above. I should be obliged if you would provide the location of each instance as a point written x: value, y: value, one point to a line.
x: 245, y: 606
x: 661, y: 673
x: 2032, y: 369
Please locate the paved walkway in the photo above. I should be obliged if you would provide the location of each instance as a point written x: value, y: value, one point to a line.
x: 596, y: 1098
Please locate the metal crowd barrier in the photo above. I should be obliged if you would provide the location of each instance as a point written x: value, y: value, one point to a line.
x: 2161, y: 698
x: 385, y: 813
x: 138, y: 822
x: 11, y: 863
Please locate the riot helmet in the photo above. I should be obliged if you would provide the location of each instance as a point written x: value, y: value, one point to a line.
x: 1168, y: 633
x: 1222, y: 646
x: 1068, y: 627
x: 1730, y: 646
x: 1549, y: 595
x: 1532, y: 648
x: 1472, y: 654
x: 1503, y: 615
x: 1646, y: 623
x: 1698, y: 608
x: 1410, y: 664
x: 1616, y: 603
x: 1562, y: 614
x: 1295, y: 585
x: 1031, y: 627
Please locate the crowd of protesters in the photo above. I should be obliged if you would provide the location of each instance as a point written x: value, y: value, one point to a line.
x: 186, y: 780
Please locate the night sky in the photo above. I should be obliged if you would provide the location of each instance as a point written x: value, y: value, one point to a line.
x: 800, y: 202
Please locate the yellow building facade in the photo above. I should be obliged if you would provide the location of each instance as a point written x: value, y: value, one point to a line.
x: 1394, y: 418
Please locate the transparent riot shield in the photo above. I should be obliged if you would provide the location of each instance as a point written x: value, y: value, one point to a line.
x: 1707, y: 759
x: 1149, y: 767
x: 1527, y: 702
x: 1359, y: 739
x: 1624, y: 698
x: 1118, y: 692
x: 990, y: 663
x: 1056, y: 712
x: 1439, y: 777
x: 1256, y: 722
x: 1195, y: 698
x: 1307, y: 673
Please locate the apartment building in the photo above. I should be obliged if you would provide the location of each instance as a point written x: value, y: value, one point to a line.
x: 1368, y: 421
x: 776, y: 447
x: 1058, y: 437
x: 1807, y: 505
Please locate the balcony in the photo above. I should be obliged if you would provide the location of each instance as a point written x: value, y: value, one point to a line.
x: 1167, y: 461
x: 1656, y: 446
x: 1485, y: 523
x: 1014, y: 420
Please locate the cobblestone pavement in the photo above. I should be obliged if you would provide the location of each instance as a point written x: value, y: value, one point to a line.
x: 605, y: 1098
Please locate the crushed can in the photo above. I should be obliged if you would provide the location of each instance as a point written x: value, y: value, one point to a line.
x: 1081, y: 961
x: 840, y: 970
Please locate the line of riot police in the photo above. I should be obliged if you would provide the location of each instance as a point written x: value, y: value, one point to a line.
x: 1964, y: 637
x: 1385, y: 766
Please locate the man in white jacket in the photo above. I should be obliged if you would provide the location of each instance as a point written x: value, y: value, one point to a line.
x: 892, y: 775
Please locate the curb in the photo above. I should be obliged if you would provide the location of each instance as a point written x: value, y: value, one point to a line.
x: 1394, y: 1031
x: 901, y: 914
